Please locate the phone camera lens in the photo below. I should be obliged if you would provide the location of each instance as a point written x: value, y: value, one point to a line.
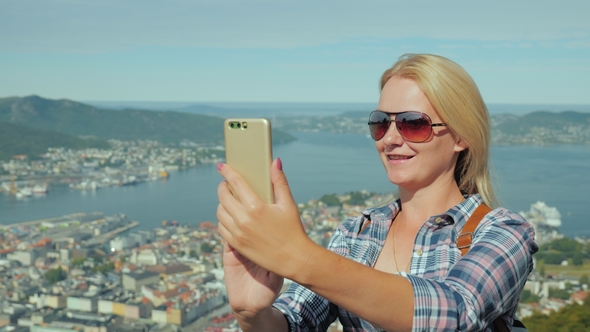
x: 239, y: 125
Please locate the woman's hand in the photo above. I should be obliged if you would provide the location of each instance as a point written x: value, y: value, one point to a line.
x: 268, y: 235
x: 250, y: 288
x: 259, y: 238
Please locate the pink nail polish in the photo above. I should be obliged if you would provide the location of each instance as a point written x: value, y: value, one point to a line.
x: 279, y: 164
x: 219, y: 167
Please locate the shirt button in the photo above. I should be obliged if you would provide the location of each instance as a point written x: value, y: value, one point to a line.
x: 439, y: 220
x: 419, y: 252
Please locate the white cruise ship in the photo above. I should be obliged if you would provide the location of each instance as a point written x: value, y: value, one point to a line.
x: 546, y: 214
x: 545, y: 219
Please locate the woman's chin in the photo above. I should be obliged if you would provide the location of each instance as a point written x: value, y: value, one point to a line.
x: 402, y: 182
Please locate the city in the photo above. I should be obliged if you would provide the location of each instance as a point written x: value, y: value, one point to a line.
x: 111, y: 127
x: 97, y: 272
x: 93, y: 272
x: 126, y: 163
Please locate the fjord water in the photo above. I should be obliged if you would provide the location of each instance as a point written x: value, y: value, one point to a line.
x: 324, y: 163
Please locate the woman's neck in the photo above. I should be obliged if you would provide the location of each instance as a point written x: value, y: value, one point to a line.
x: 419, y: 205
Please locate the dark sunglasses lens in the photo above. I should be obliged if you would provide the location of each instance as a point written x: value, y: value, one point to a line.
x: 414, y: 126
x: 378, y: 124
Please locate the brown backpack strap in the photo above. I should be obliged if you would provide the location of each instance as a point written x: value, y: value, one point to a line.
x: 466, y: 237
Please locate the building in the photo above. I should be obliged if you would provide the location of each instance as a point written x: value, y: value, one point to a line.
x: 134, y: 280
x: 85, y: 304
x: 169, y: 270
x: 26, y: 258
x: 144, y: 257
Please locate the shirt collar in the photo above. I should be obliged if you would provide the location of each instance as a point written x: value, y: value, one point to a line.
x: 458, y: 214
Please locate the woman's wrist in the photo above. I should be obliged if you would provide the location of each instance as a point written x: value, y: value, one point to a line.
x: 268, y: 319
x: 307, y: 255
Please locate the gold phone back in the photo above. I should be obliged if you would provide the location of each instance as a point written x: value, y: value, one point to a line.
x: 248, y: 150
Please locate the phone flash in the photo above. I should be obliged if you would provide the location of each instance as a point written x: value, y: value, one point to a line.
x: 245, y: 125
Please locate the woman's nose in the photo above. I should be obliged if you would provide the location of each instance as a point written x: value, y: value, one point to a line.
x: 392, y: 136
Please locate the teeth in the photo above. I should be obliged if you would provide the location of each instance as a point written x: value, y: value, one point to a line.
x: 399, y: 157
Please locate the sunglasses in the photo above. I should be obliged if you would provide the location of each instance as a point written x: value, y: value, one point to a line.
x: 415, y: 127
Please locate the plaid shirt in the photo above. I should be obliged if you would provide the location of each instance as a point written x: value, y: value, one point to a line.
x: 451, y: 292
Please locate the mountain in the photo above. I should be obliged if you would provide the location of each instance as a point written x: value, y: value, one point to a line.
x: 515, y: 125
x: 78, y: 119
x: 208, y: 110
x: 19, y: 140
x: 542, y: 128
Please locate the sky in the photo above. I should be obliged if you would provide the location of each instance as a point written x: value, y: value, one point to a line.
x: 518, y: 52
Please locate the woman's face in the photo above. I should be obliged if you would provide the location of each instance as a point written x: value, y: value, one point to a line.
x: 414, y: 166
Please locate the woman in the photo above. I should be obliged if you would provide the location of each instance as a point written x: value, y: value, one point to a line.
x: 404, y: 272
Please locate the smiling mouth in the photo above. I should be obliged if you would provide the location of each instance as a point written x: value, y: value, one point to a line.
x: 396, y: 157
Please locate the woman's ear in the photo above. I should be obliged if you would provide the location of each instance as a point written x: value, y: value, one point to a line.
x: 460, y: 144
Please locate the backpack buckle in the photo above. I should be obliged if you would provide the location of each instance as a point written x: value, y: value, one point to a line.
x: 464, y: 240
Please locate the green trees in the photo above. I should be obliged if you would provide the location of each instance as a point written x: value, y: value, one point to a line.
x: 17, y: 139
x: 354, y: 198
x: 559, y: 293
x: 78, y: 262
x: 104, y: 268
x: 358, y: 197
x: 578, y: 259
x: 207, y: 247
x: 565, y: 249
x: 55, y: 275
x: 526, y: 296
x: 573, y: 317
x: 565, y: 245
x: 330, y: 200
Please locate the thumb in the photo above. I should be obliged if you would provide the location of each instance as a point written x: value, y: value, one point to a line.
x: 279, y: 182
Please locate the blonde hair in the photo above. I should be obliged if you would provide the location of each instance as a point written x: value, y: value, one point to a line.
x: 457, y: 100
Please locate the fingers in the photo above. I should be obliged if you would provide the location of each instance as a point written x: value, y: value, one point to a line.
x: 227, y: 247
x: 236, y: 186
x: 224, y: 193
x: 225, y: 235
x: 229, y: 205
x: 279, y: 183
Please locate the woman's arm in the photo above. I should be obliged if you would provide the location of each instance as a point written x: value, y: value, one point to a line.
x: 385, y: 300
x: 483, y: 285
x: 272, y: 236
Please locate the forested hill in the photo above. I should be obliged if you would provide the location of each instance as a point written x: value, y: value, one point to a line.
x: 78, y: 119
x: 16, y: 139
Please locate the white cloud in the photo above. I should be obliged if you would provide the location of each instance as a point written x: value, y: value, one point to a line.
x: 84, y: 26
x: 579, y: 44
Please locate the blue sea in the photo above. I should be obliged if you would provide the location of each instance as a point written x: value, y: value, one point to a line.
x: 325, y: 163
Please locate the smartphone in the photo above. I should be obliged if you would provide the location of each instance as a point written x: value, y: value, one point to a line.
x: 248, y: 150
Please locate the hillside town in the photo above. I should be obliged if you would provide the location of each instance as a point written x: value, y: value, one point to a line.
x: 90, y: 272
x: 126, y: 163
